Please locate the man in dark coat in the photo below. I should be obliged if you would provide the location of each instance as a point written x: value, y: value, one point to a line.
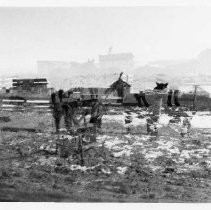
x: 56, y: 99
x: 97, y: 112
x: 70, y: 111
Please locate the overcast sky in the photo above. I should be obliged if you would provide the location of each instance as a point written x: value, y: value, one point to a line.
x: 76, y: 34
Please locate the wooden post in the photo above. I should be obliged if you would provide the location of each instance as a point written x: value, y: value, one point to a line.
x: 195, y: 97
x: 80, y: 149
x: 151, y: 123
x: 1, y: 139
x: 158, y: 105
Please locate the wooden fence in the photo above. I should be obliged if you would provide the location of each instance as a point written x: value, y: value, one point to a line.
x: 25, y: 105
x: 40, y: 105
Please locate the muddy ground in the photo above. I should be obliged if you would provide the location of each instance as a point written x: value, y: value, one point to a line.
x: 122, y: 166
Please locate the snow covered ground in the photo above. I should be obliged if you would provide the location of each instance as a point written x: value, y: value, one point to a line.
x: 165, y: 145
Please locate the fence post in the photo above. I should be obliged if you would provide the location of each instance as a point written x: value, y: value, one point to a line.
x: 158, y: 105
x: 195, y: 97
x: 151, y: 122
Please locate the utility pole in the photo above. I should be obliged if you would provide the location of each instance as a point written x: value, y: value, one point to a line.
x: 110, y: 50
x: 194, y: 96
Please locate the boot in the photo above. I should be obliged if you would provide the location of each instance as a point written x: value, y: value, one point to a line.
x: 176, y: 99
x: 169, y: 98
x: 146, y: 104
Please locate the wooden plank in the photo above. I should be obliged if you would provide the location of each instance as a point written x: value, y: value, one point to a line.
x: 38, y: 101
x: 27, y: 96
x: 111, y: 97
x: 28, y: 84
x: 41, y: 107
x: 16, y: 129
x: 8, y: 105
x: 12, y: 100
x: 36, y: 80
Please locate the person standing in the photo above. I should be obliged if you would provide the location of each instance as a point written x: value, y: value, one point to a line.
x: 56, y: 100
x: 97, y: 112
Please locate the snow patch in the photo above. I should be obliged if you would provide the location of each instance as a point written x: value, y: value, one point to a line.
x: 121, y: 170
x: 201, y: 122
x: 122, y: 153
x: 82, y: 168
x: 153, y: 154
x: 164, y: 119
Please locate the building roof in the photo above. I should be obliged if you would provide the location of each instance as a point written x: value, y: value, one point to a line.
x: 120, y: 82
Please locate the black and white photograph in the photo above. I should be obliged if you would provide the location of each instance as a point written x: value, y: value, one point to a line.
x: 105, y: 104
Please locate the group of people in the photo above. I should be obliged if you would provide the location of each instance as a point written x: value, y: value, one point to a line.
x: 71, y: 107
x: 172, y: 96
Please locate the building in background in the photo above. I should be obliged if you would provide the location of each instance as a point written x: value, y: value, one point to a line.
x: 65, y: 75
x: 61, y: 74
x: 117, y: 62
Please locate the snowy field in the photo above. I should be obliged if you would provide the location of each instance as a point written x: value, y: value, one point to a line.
x: 124, y: 164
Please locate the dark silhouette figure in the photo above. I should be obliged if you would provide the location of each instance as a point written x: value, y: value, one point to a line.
x: 175, y: 94
x: 69, y: 111
x: 141, y: 98
x: 176, y: 98
x: 170, y: 93
x: 96, y: 113
x: 161, y: 86
x: 56, y: 99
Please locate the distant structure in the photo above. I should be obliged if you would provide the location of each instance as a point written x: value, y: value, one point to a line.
x: 63, y: 68
x: 60, y: 73
x: 119, y: 62
x: 65, y: 75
